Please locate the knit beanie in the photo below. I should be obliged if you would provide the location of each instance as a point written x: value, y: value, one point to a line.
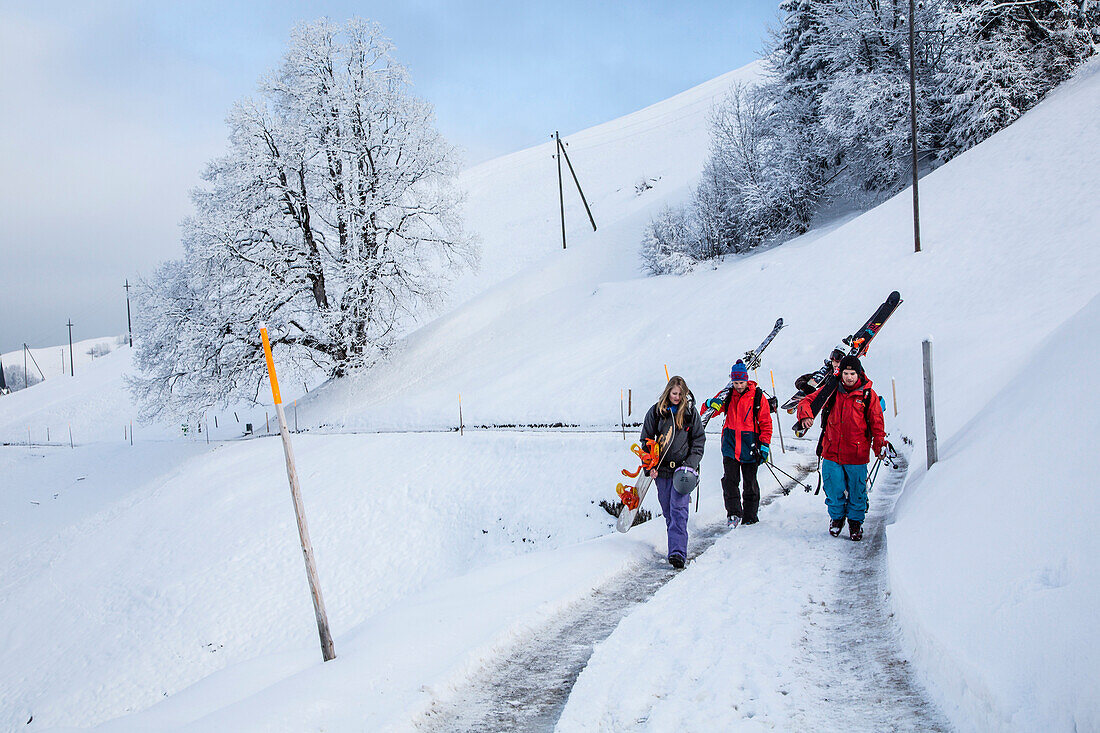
x: 739, y: 372
x: 852, y: 362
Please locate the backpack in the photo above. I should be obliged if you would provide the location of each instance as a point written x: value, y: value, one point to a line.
x: 757, y: 398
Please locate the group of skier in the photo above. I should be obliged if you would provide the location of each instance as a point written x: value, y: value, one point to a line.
x: 852, y: 429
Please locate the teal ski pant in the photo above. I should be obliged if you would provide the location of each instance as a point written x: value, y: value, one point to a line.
x: 845, y: 490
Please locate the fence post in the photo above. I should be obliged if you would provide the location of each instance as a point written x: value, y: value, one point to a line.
x: 622, y: 417
x: 460, y: 433
x: 929, y: 405
x: 894, y: 386
x: 327, y: 649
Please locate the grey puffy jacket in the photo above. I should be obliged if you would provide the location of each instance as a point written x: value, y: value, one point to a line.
x: 687, y: 443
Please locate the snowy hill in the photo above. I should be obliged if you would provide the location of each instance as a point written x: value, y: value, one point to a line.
x: 184, y: 581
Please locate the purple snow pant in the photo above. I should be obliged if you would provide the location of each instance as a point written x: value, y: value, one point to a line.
x: 674, y: 506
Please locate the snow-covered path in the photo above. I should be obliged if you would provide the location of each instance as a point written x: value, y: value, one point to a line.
x: 725, y: 645
x: 527, y: 690
x: 851, y: 648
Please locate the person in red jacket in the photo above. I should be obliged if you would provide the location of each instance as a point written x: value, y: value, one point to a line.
x: 746, y: 436
x: 853, y: 428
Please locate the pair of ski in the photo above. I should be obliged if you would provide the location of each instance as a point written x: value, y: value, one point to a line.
x: 824, y: 381
x: 631, y: 497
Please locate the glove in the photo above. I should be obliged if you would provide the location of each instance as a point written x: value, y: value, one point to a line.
x: 765, y: 451
x: 714, y: 404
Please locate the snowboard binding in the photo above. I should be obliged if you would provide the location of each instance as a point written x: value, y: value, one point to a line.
x: 628, y: 496
x: 650, y: 457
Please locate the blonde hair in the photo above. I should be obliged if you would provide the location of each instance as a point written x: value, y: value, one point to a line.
x: 682, y: 408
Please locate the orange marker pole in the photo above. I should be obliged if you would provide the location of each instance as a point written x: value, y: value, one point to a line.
x: 327, y: 649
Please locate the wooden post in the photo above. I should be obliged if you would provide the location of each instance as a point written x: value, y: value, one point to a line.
x: 327, y: 649
x: 295, y: 416
x: 131, y: 432
x: 71, y: 445
x: 778, y: 424
x: 460, y: 414
x: 215, y: 421
x: 267, y: 423
x: 207, y: 433
x: 894, y: 387
x: 929, y: 405
x: 629, y: 402
x: 47, y: 433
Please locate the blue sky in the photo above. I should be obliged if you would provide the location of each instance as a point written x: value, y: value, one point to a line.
x: 109, y: 110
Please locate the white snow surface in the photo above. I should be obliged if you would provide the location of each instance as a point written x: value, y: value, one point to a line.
x: 994, y: 558
x: 160, y: 586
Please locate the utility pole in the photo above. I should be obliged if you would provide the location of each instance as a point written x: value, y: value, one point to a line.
x: 913, y: 119
x: 561, y: 147
x: 561, y: 193
x: 129, y: 326
x: 70, y: 325
x: 560, y: 153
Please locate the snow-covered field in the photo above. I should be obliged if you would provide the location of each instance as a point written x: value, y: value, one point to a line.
x: 165, y: 588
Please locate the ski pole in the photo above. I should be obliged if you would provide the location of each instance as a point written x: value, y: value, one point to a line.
x: 873, y: 475
x: 792, y: 478
x: 778, y: 426
x: 818, y: 477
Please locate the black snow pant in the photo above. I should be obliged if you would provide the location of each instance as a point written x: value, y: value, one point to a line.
x: 733, y: 472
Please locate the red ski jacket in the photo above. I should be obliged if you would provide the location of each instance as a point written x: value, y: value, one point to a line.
x: 846, y: 437
x: 739, y: 436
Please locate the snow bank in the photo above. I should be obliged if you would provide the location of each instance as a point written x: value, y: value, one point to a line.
x: 994, y: 556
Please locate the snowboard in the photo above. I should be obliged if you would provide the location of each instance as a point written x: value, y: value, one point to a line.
x: 823, y: 380
x: 626, y: 515
x: 752, y: 361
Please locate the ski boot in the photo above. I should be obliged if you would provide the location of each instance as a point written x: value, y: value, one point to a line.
x: 855, y: 530
x: 676, y: 561
x: 835, y: 526
x: 732, y: 522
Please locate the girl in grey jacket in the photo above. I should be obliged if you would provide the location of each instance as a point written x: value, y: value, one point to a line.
x: 674, y: 415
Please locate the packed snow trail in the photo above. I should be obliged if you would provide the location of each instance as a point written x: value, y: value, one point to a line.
x: 786, y: 628
x: 528, y: 690
x: 853, y: 658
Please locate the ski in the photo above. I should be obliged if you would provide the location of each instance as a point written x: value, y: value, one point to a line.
x: 823, y: 380
x: 752, y: 361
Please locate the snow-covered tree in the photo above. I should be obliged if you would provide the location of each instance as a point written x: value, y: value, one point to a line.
x: 668, y: 243
x: 1004, y: 58
x: 333, y: 217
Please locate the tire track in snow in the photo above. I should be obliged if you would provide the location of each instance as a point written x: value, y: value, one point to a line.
x: 528, y: 689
